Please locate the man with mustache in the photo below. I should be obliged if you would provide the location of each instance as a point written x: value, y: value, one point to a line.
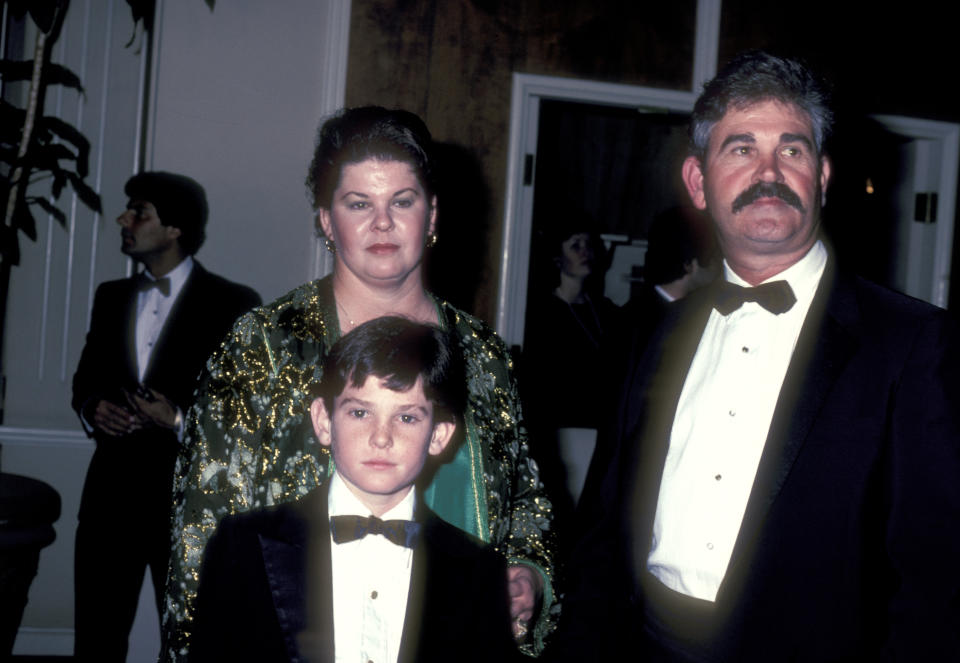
x: 782, y: 474
x: 149, y: 338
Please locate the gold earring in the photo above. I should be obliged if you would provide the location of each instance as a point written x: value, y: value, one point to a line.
x: 431, y: 240
x: 331, y: 247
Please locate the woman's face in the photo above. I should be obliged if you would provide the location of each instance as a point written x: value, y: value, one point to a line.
x: 576, y: 256
x: 379, y: 218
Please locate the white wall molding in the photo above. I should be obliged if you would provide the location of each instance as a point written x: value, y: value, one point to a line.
x: 53, y: 437
x: 44, y: 642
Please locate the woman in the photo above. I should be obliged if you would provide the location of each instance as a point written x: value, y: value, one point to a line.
x: 565, y: 376
x: 569, y: 323
x: 248, y: 442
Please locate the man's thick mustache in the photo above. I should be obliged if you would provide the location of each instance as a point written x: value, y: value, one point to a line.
x: 767, y: 190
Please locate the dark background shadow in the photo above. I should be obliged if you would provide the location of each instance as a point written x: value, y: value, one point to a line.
x: 455, y: 266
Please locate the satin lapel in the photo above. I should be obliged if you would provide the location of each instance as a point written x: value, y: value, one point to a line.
x: 297, y: 565
x: 424, y: 587
x: 827, y: 341
x: 317, y: 640
x: 130, y: 319
x: 283, y: 563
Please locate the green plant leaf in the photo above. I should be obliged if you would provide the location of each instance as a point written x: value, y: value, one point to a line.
x: 48, y: 156
x: 8, y: 154
x: 55, y: 74
x: 23, y: 219
x: 85, y: 193
x: 50, y: 209
x: 12, y: 117
x: 16, y: 70
x: 64, y: 131
x: 9, y: 245
x: 59, y: 181
x: 44, y: 12
x: 68, y: 133
x: 142, y: 10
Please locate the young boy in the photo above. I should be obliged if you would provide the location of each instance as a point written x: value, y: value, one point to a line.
x: 361, y: 569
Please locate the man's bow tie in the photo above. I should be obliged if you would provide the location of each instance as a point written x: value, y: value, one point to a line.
x: 163, y: 285
x: 777, y: 297
x: 350, y: 528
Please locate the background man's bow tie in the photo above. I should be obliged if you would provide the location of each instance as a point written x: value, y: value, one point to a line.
x: 163, y: 285
x: 350, y: 528
x: 776, y: 296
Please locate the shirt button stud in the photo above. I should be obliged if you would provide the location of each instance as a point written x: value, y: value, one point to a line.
x: 373, y: 594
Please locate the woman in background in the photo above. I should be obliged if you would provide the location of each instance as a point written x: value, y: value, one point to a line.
x: 564, y: 373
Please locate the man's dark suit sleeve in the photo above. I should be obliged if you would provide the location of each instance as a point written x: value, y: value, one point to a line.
x: 96, y: 379
x: 923, y: 486
x: 234, y: 605
x: 597, y: 621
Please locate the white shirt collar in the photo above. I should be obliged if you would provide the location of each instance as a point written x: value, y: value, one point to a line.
x: 341, y: 502
x: 803, y: 275
x: 178, y: 275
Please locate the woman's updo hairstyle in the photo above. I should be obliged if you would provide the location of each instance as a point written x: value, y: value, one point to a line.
x: 353, y: 135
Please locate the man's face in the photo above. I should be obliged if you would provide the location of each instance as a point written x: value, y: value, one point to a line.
x: 380, y: 439
x: 762, y: 182
x: 141, y: 232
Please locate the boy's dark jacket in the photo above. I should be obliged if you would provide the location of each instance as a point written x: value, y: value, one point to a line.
x: 254, y: 588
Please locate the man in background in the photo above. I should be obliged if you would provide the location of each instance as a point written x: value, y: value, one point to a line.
x: 149, y: 338
x: 682, y: 256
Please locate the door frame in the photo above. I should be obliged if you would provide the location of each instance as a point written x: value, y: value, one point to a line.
x: 527, y: 91
x: 947, y: 135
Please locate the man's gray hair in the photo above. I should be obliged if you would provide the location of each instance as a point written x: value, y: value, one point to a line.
x: 753, y: 77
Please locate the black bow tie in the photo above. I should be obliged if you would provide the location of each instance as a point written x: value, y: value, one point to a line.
x: 163, y: 285
x: 777, y: 297
x: 351, y: 528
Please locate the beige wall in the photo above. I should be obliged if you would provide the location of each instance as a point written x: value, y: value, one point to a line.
x: 451, y: 61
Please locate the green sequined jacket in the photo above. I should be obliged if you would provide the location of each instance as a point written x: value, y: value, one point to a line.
x: 249, y: 443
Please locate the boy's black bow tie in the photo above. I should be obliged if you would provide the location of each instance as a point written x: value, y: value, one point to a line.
x: 350, y: 528
x: 777, y: 297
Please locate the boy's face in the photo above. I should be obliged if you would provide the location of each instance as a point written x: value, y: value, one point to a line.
x: 380, y: 439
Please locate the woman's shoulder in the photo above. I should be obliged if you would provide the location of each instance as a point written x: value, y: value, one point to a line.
x: 471, y: 329
x: 301, y: 312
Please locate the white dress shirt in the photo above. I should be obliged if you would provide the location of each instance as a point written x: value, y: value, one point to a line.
x: 719, y: 431
x: 153, y: 309
x: 371, y: 580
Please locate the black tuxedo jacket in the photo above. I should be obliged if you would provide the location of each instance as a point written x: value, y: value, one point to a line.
x: 848, y: 549
x: 204, y: 312
x: 263, y: 568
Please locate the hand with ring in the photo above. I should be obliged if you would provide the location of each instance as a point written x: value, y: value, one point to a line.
x: 519, y: 630
x: 526, y: 591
